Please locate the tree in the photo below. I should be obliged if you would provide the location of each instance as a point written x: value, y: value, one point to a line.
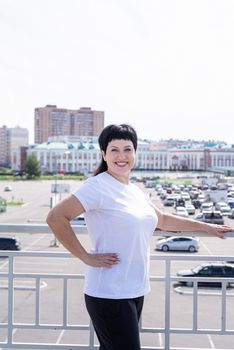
x: 32, y: 167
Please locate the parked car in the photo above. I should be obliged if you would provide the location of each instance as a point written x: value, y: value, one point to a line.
x: 179, y: 202
x: 190, y: 244
x: 10, y: 243
x: 7, y: 188
x: 181, y: 211
x: 207, y: 206
x: 230, y: 202
x: 201, y: 197
x: 169, y: 201
x: 197, y: 203
x: 214, y: 217
x: 223, y: 207
x: 193, y: 194
x: 190, y: 208
x: 231, y: 214
x: 218, y: 269
x: 185, y: 196
x: 225, y: 210
x: 78, y: 220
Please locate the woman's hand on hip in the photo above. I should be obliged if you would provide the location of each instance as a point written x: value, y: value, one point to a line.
x: 101, y: 260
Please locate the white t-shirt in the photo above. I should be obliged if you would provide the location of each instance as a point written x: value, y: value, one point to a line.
x: 119, y: 220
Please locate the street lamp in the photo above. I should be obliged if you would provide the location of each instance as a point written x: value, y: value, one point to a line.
x: 54, y: 242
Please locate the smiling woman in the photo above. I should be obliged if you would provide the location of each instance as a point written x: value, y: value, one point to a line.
x: 120, y: 221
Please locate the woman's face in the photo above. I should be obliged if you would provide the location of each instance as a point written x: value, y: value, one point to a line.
x: 120, y: 158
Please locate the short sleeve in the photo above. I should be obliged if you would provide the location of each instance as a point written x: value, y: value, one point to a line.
x: 89, y: 194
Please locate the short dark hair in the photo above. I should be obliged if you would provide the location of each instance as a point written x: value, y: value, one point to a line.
x: 114, y: 132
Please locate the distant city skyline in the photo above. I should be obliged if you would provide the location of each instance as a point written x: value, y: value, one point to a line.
x: 165, y: 67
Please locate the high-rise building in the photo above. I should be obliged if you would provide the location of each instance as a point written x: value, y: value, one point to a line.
x: 11, y: 139
x: 53, y: 121
x: 3, y: 145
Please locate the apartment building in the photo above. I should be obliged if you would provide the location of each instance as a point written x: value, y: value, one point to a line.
x: 52, y: 121
x: 11, y: 140
x: 3, y: 145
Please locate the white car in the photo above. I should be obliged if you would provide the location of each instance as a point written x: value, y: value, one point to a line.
x: 185, y: 196
x: 181, y: 211
x: 207, y: 207
x: 190, y: 244
x: 224, y: 209
x: 190, y: 208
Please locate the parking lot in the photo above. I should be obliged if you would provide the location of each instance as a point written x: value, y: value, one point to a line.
x: 36, y: 196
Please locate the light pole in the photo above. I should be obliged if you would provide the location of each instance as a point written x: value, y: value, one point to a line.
x: 54, y: 241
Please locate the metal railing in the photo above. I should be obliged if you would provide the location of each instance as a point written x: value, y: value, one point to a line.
x: 10, y: 293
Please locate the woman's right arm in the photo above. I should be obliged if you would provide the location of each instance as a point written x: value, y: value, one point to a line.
x: 58, y: 220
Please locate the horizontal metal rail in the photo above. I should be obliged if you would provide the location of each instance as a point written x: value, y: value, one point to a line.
x: 11, y: 326
x: 82, y: 229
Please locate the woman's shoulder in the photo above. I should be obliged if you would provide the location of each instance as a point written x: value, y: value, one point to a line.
x: 96, y: 178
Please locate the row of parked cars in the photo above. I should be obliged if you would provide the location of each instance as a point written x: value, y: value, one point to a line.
x: 209, y: 211
x: 186, y: 203
x: 191, y: 244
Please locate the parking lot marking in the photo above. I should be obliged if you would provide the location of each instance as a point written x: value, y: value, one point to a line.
x: 205, y: 246
x: 13, y: 333
x: 160, y: 340
x: 211, y: 341
x: 2, y: 266
x: 35, y: 242
x: 60, y: 336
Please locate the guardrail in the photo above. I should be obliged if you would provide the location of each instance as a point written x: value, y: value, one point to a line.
x: 18, y: 333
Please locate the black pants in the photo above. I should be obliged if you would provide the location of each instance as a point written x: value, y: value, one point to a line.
x: 116, y: 322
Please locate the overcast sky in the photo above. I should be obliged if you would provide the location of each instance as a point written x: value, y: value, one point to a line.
x: 164, y: 66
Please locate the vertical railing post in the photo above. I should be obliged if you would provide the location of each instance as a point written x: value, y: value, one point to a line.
x: 167, y: 303
x: 224, y: 306
x: 10, y: 299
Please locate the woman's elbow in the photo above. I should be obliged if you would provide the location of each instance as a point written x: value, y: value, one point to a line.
x: 50, y: 219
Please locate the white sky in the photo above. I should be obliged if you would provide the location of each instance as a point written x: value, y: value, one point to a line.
x: 164, y: 66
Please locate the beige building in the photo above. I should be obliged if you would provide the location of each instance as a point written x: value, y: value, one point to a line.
x: 3, y: 145
x: 53, y: 121
x: 11, y: 140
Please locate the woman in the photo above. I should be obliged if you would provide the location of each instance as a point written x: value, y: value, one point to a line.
x: 120, y: 221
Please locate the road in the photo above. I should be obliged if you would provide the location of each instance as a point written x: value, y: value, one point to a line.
x: 36, y: 196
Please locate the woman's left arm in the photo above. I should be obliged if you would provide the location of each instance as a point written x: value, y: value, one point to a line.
x: 170, y: 222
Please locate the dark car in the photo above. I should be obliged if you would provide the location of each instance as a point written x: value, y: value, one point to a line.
x: 78, y: 220
x: 9, y: 243
x: 218, y: 270
x: 196, y: 203
x: 180, y: 202
x: 231, y: 214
